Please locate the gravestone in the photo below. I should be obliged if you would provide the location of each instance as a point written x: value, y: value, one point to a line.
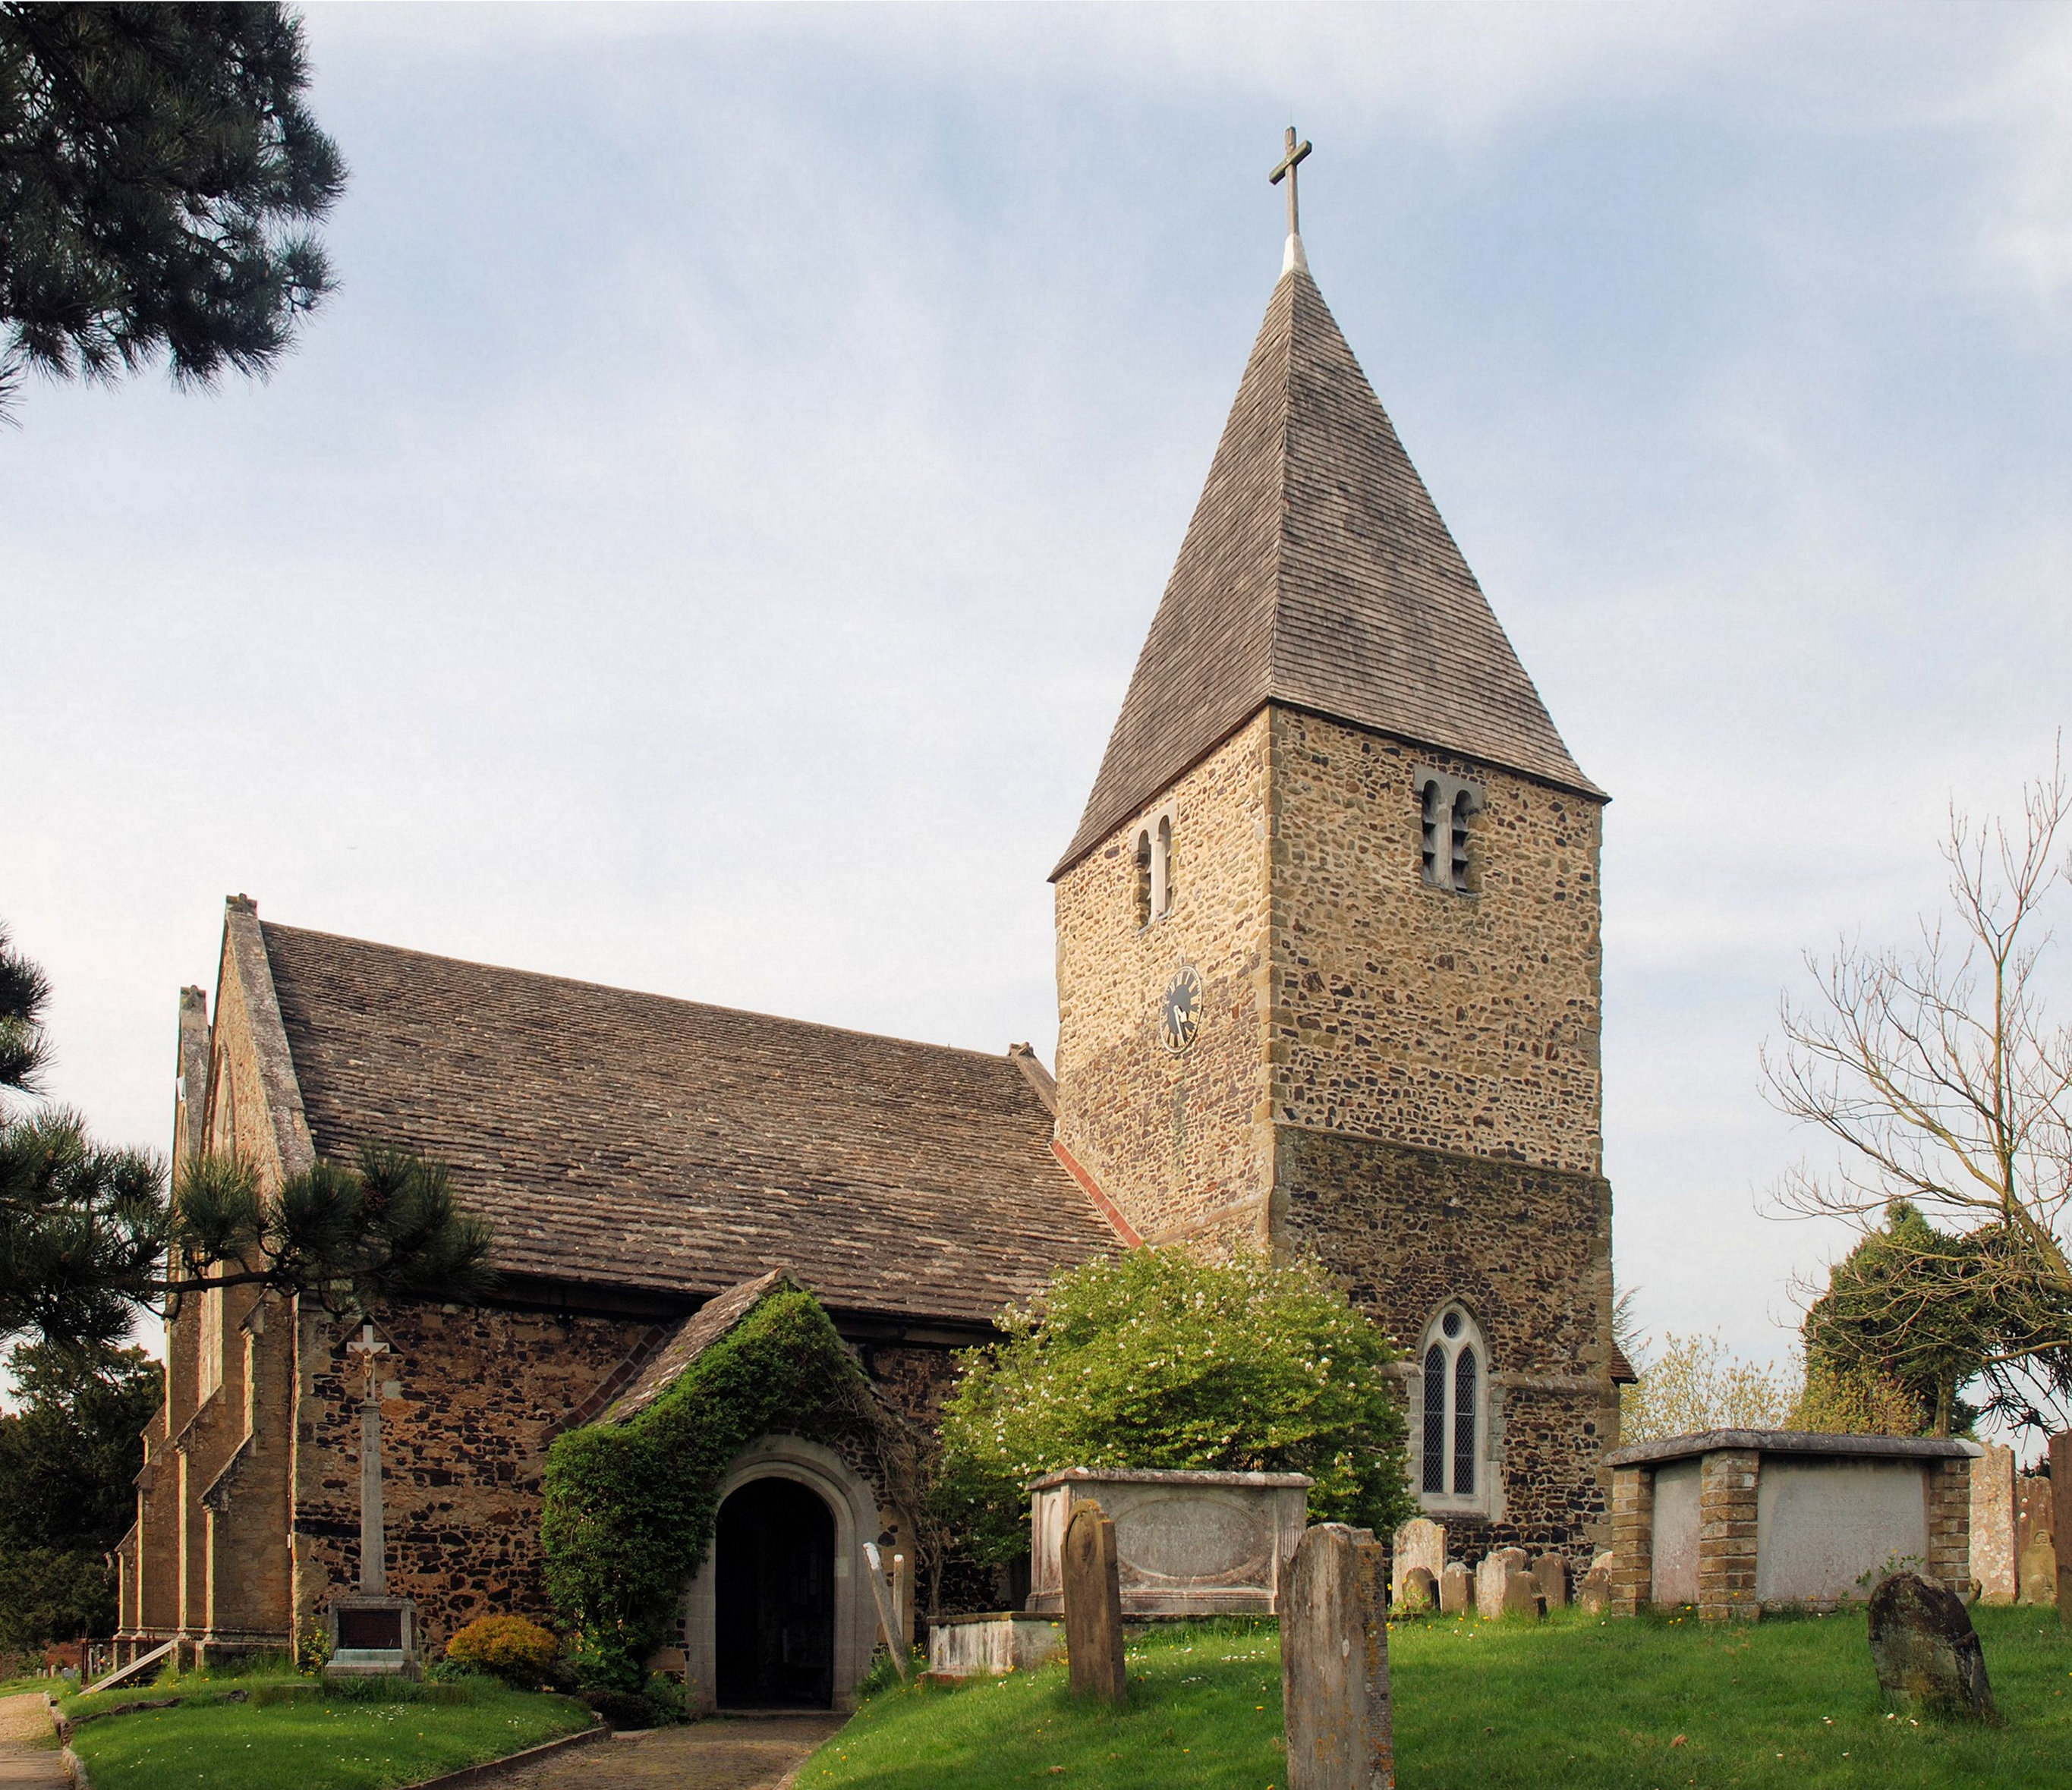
x: 1093, y: 1606
x: 1551, y: 1571
x: 1522, y: 1595
x: 902, y: 1598
x: 1993, y: 1563
x: 2061, y: 1517
x: 1419, y: 1542
x: 888, y: 1621
x: 1926, y: 1651
x: 1335, y: 1663
x: 2037, y: 1569
x: 1594, y: 1594
x: 2036, y: 1557
x: 1420, y: 1592
x: 1492, y: 1579
x: 1456, y: 1590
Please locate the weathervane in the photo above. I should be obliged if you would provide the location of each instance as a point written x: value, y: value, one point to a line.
x: 1288, y: 164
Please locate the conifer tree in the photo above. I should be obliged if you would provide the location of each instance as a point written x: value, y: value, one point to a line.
x: 159, y: 175
x: 91, y: 1235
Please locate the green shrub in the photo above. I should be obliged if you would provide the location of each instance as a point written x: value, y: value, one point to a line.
x: 1157, y: 1359
x: 672, y: 1701
x: 519, y: 1652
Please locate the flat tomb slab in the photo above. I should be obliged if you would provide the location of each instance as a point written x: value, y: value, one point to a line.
x: 992, y: 1645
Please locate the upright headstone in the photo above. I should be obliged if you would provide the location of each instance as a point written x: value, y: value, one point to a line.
x: 1420, y: 1595
x: 2037, y: 1570
x: 1926, y: 1650
x: 888, y: 1624
x: 1594, y: 1594
x: 2060, y: 1513
x: 1522, y: 1595
x: 1993, y: 1525
x: 1456, y: 1590
x: 1334, y: 1662
x: 902, y: 1598
x: 1093, y: 1606
x: 1419, y: 1542
x: 1492, y: 1579
x: 2035, y: 1558
x: 1551, y: 1570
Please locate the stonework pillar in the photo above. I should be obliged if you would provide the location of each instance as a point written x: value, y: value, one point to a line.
x: 1727, y: 1535
x: 1633, y: 1540
x: 1950, y: 1525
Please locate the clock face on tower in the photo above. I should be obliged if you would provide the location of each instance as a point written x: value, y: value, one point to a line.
x: 1180, y: 1011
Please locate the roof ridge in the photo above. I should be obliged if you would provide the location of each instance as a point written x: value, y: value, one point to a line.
x: 640, y: 994
x: 1298, y: 270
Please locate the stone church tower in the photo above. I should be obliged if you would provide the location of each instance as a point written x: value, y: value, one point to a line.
x: 1329, y: 961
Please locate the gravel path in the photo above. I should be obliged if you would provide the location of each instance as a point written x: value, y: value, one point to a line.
x: 28, y: 1746
x: 727, y: 1753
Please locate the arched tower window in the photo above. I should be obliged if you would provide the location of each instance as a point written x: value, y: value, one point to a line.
x: 1152, y: 856
x: 1446, y: 805
x: 1451, y: 1445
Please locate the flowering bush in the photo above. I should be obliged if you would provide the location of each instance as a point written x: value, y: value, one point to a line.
x: 1157, y: 1359
x: 519, y: 1652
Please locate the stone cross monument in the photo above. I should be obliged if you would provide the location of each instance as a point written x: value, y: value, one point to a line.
x: 368, y: 1349
x: 371, y: 1631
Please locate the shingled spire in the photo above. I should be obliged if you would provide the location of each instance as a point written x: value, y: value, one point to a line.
x: 1317, y: 573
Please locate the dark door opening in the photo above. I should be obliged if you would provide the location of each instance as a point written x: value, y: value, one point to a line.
x: 773, y: 1628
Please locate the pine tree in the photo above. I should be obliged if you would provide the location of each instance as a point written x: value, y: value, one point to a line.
x: 158, y: 175
x: 90, y: 1235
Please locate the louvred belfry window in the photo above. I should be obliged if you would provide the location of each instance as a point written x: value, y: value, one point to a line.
x: 1445, y: 806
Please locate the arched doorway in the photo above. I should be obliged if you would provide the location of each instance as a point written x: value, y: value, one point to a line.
x: 773, y: 1617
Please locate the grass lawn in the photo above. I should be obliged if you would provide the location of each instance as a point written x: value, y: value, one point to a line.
x: 313, y: 1742
x: 1785, y: 1704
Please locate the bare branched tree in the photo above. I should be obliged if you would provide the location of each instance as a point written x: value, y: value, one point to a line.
x: 1938, y: 1073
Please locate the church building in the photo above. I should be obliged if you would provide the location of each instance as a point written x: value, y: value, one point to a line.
x: 1329, y: 982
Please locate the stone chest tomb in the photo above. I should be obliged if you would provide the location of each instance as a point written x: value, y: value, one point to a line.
x: 1190, y: 1543
x: 1738, y: 1521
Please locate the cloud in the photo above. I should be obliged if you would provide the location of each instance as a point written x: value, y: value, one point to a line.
x: 2021, y: 116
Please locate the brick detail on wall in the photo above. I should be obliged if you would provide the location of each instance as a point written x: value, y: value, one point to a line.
x: 1633, y: 1540
x: 1727, y: 1535
x: 1950, y: 1525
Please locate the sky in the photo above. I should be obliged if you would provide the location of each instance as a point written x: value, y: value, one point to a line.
x: 703, y: 544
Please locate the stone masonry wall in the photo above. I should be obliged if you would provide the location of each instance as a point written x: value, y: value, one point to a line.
x: 1175, y: 1141
x: 483, y: 1392
x: 1465, y: 1022
x: 1528, y: 1251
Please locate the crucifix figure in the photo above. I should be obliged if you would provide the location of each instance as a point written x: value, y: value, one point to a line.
x: 1286, y: 171
x: 373, y: 1544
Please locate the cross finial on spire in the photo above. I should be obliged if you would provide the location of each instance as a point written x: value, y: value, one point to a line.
x: 1288, y: 163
